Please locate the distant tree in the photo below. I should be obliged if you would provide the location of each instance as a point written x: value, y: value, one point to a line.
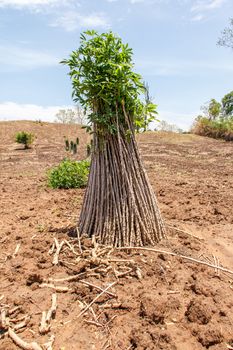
x: 164, y: 126
x: 227, y: 104
x: 227, y: 36
x: 65, y: 116
x: 70, y: 116
x: 80, y: 116
x: 212, y: 109
x: 148, y: 117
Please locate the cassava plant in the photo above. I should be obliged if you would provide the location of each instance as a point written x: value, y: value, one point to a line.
x: 71, y: 146
x: 67, y: 145
x: 88, y: 150
x: 119, y: 204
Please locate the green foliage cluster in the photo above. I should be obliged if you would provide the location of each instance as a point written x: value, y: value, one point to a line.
x: 217, y: 121
x: 106, y: 86
x: 26, y: 138
x: 227, y: 104
x: 69, y: 174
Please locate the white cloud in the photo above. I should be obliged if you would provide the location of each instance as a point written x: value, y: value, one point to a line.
x: 197, y: 18
x: 71, y: 21
x: 15, y: 111
x: 14, y: 58
x: 136, y: 1
x: 180, y: 67
x: 31, y: 3
x: 206, y: 5
x: 181, y: 120
x: 61, y: 13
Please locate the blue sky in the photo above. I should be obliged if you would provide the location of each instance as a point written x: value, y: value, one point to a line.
x: 174, y: 44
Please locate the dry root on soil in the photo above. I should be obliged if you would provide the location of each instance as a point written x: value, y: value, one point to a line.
x: 45, y: 323
x: 11, y: 324
x: 90, y: 261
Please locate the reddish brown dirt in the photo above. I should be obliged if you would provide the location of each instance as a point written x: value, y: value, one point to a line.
x: 176, y: 305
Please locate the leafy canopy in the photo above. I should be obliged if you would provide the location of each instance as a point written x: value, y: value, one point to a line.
x: 106, y: 86
x: 227, y: 104
x: 212, y: 109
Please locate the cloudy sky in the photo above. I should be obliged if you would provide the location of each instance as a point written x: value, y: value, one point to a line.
x: 174, y: 44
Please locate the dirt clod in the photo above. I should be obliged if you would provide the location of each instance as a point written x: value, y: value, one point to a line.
x: 210, y: 337
x: 198, y: 311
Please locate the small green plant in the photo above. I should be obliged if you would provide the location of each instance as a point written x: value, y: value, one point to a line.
x: 88, y: 150
x: 69, y: 174
x: 74, y: 148
x: 71, y: 146
x: 67, y: 145
x: 26, y: 138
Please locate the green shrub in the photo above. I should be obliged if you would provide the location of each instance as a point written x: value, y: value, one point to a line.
x: 220, y: 128
x: 69, y: 174
x: 26, y: 138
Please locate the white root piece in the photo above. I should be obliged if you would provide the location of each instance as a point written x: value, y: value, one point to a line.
x: 178, y: 255
x: 4, y: 319
x: 17, y: 320
x: 12, y: 311
x: 185, y: 232
x: 16, y: 250
x: 122, y: 274
x: 52, y: 311
x: 99, y: 288
x: 138, y: 272
x: 215, y: 263
x: 22, y: 324
x: 59, y: 289
x: 58, y: 249
x: 97, y: 324
x: 43, y: 328
x: 1, y: 297
x: 21, y: 343
x: 51, y: 250
x: 74, y: 277
x: 49, y: 344
x: 79, y: 241
x: 121, y: 261
x: 95, y: 299
x: 71, y: 248
x: 45, y: 323
x: 111, y: 319
x: 110, y: 306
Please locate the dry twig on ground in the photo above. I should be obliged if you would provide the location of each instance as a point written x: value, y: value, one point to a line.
x: 178, y: 255
x: 95, y: 299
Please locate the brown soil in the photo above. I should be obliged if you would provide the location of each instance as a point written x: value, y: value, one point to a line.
x: 172, y: 304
